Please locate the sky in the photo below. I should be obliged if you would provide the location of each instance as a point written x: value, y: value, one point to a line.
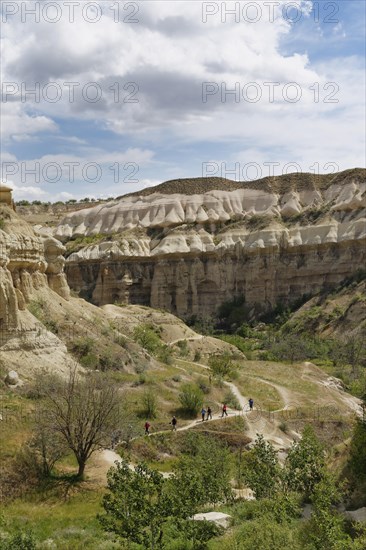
x: 103, y: 98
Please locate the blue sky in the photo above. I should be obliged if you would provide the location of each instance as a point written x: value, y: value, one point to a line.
x: 160, y: 127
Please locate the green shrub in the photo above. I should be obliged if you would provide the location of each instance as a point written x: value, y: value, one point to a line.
x: 149, y: 404
x: 221, y: 365
x: 191, y: 398
x: 146, y: 336
x: 203, y: 386
x: 183, y: 347
x: 108, y: 361
x: 283, y: 426
x: 197, y: 357
x: 19, y: 541
x: 89, y: 361
x: 82, y: 346
x: 164, y: 354
x: 231, y: 400
x: 357, y: 460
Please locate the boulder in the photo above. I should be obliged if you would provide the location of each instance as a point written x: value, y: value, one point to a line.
x: 12, y: 378
x: 220, y: 519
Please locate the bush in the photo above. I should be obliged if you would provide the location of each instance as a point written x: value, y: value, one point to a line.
x: 82, y: 346
x: 233, y: 313
x: 221, y: 365
x: 283, y: 426
x: 146, y: 336
x: 231, y: 400
x: 108, y: 361
x: 19, y: 541
x: 90, y: 361
x: 191, y: 398
x: 183, y: 347
x: 266, y: 534
x: 197, y: 356
x: 357, y: 460
x: 149, y: 404
x: 203, y: 386
x: 164, y: 354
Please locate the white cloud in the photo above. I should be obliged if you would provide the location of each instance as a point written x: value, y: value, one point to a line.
x: 169, y: 54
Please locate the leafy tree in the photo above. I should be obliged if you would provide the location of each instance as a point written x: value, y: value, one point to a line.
x: 146, y: 336
x: 261, y: 472
x: 351, y: 351
x: 84, y: 413
x: 146, y: 509
x: 191, y: 398
x: 46, y: 446
x: 290, y: 348
x: 357, y: 459
x: 304, y: 463
x: 265, y: 533
x: 196, y: 480
x: 137, y: 506
x: 325, y: 529
x: 221, y: 365
x: 149, y: 404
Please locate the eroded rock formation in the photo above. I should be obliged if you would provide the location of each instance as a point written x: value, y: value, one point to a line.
x: 271, y: 241
x: 27, y: 263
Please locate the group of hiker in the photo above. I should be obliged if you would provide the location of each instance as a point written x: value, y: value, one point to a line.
x: 173, y: 424
x: 206, y: 414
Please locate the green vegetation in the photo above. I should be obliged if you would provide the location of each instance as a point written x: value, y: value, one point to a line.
x: 78, y: 243
x: 39, y: 309
x: 191, y: 399
x: 221, y: 366
x: 149, y: 404
x: 144, y: 508
x: 147, y: 335
x: 80, y: 414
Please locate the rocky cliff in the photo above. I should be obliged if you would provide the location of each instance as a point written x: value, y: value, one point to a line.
x: 189, y: 245
x: 28, y: 262
x: 30, y: 266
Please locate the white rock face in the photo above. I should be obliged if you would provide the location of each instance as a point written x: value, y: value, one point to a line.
x: 189, y: 253
x: 220, y: 519
x: 157, y: 210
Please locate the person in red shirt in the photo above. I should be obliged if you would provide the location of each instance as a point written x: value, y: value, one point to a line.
x: 224, y: 410
x: 147, y: 428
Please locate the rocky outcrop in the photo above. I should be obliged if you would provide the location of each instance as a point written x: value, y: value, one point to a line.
x: 27, y: 263
x: 189, y: 253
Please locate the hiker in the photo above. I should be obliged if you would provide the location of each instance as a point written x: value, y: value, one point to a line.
x: 203, y: 414
x: 224, y: 410
x: 147, y: 428
x: 251, y: 403
x: 174, y: 424
x: 209, y: 413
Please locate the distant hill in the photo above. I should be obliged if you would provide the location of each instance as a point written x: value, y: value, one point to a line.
x: 271, y: 184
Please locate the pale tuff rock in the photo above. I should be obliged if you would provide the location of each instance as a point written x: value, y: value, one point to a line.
x: 220, y: 519
x: 189, y: 253
x: 27, y: 264
x: 158, y: 210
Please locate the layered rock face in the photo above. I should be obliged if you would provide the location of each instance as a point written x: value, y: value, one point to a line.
x: 27, y: 263
x: 271, y: 241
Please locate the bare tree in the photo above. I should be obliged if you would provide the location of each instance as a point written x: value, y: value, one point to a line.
x: 84, y: 411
